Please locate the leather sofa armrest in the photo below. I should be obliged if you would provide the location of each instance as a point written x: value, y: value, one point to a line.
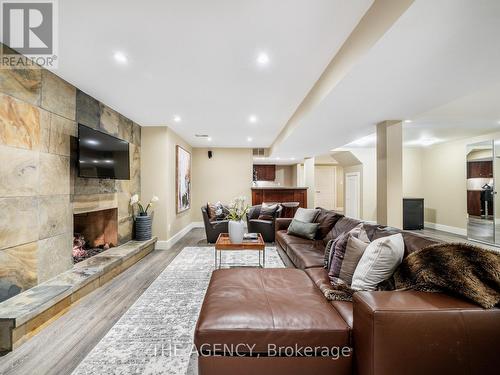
x: 412, y: 333
x: 282, y: 223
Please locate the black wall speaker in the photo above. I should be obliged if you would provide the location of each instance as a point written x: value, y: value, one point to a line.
x: 210, y: 154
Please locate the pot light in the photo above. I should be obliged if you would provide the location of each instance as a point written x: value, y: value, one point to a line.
x: 177, y: 118
x: 249, y: 139
x: 428, y: 141
x: 292, y: 158
x: 253, y: 119
x: 278, y: 158
x: 209, y: 139
x: 263, y: 59
x: 407, y: 121
x: 120, y: 57
x: 423, y: 142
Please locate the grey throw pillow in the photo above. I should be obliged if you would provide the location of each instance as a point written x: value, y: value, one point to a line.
x: 267, y: 211
x: 305, y: 230
x: 306, y: 215
x: 353, y: 253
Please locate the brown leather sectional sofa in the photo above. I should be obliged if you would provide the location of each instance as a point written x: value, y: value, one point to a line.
x: 277, y: 321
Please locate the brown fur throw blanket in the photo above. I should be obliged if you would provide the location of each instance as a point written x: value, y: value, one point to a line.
x: 453, y: 268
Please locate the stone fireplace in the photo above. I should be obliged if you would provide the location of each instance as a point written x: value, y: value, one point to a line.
x: 94, y: 232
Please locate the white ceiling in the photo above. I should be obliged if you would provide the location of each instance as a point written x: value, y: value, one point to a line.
x: 197, y: 59
x: 436, y: 52
x: 472, y: 115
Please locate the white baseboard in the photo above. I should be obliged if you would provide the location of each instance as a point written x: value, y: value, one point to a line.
x: 446, y: 228
x: 166, y: 245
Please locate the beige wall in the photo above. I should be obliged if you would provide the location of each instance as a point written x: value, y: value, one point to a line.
x: 309, y: 169
x: 226, y: 175
x: 368, y: 169
x: 390, y: 173
x: 413, y: 179
x: 158, y: 168
x: 443, y: 174
x: 285, y: 175
x: 340, y: 186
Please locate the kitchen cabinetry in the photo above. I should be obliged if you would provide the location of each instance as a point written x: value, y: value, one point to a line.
x: 480, y: 169
x: 280, y: 195
x: 264, y: 172
x: 474, y: 202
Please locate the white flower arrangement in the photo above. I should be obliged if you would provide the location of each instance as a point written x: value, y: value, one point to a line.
x: 134, y: 200
x: 238, y: 209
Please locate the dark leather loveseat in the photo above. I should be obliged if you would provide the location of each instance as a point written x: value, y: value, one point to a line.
x: 270, y: 316
x: 213, y: 227
x: 267, y: 228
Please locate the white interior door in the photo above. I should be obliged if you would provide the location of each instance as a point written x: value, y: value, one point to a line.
x: 325, y: 186
x: 352, y: 195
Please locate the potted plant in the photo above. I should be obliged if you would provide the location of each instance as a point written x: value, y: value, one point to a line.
x: 143, y: 222
x: 237, y: 211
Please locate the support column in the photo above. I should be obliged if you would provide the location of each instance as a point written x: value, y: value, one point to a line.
x: 309, y: 181
x: 390, y: 173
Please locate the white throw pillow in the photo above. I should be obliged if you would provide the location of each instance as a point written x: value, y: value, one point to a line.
x: 378, y: 263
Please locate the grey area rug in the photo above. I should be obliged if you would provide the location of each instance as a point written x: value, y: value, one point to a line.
x: 155, y: 336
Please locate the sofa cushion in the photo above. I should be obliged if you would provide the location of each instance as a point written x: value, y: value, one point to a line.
x: 306, y: 255
x: 353, y: 253
x: 267, y: 211
x: 326, y: 220
x: 378, y: 263
x: 284, y: 239
x: 345, y: 309
x: 216, y: 211
x: 319, y: 276
x: 344, y: 224
x: 264, y: 307
x: 413, y: 242
x: 302, y: 229
x: 306, y: 215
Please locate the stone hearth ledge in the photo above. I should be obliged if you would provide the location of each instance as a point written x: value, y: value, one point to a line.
x: 26, y: 313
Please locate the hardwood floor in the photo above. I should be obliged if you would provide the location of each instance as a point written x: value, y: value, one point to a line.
x: 60, y: 347
x: 450, y: 237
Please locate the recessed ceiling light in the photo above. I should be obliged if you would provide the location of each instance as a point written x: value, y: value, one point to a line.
x: 263, y: 59
x: 424, y: 142
x: 292, y: 158
x: 253, y: 119
x: 428, y: 141
x: 408, y: 121
x: 120, y: 57
x: 249, y: 139
x: 177, y: 118
x: 278, y: 158
x: 209, y: 139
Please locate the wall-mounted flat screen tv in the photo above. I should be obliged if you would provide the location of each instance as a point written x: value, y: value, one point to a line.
x: 101, y: 155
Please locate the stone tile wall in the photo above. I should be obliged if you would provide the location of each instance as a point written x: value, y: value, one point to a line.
x: 39, y: 187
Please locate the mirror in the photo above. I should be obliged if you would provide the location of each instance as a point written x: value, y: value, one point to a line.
x: 480, y: 192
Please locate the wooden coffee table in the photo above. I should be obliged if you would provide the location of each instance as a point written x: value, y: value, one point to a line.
x: 224, y: 244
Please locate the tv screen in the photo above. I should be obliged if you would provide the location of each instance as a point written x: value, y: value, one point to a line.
x: 101, y: 155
